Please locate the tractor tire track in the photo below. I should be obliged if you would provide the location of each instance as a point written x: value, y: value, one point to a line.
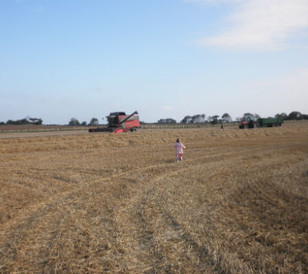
x: 136, y: 210
x: 137, y: 220
x: 140, y: 213
x: 21, y: 231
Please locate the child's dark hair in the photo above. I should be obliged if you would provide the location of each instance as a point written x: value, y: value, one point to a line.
x: 178, y: 140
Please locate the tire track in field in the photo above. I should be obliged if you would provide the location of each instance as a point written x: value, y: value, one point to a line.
x: 131, y: 204
x: 138, y: 213
x: 267, y: 216
x: 23, y: 232
x: 147, y: 206
x: 272, y: 192
x: 19, y: 229
x: 170, y: 242
x: 72, y: 224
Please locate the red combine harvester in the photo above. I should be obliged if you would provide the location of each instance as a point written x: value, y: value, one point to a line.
x: 119, y: 122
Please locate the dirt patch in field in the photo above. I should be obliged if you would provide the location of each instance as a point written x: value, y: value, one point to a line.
x: 102, y: 202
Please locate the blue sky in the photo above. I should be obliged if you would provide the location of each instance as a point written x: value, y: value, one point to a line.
x: 61, y: 59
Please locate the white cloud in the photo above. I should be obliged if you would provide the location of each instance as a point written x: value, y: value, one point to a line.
x: 211, y: 2
x: 168, y: 108
x: 260, y: 24
x: 284, y: 94
x: 292, y: 86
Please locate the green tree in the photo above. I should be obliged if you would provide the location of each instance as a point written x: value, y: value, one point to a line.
x: 74, y: 122
x: 295, y: 115
x: 186, y: 120
x: 36, y: 121
x: 214, y: 119
x: 248, y: 116
x: 198, y: 118
x: 227, y: 117
x: 283, y: 115
x: 93, y: 122
x: 166, y: 121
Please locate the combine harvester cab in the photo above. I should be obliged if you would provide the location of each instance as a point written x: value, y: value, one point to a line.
x: 119, y: 122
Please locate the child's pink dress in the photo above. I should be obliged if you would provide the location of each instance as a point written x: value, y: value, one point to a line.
x: 179, y: 150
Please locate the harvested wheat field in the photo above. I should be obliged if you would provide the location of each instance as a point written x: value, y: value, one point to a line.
x: 106, y: 203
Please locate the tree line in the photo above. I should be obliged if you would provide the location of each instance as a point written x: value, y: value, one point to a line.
x: 25, y: 121
x: 198, y: 118
x: 75, y: 122
x: 226, y: 118
x: 38, y: 121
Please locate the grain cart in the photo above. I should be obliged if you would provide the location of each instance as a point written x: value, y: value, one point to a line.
x: 119, y: 122
x: 270, y: 122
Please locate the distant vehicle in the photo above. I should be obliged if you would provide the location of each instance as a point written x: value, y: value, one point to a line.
x: 248, y: 123
x: 120, y: 122
x: 261, y: 122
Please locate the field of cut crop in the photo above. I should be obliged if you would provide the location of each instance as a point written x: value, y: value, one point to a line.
x: 110, y: 203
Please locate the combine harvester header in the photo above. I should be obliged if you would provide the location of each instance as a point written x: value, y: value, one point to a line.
x: 119, y: 122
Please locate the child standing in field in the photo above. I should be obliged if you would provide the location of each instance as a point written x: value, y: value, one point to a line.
x: 179, y: 150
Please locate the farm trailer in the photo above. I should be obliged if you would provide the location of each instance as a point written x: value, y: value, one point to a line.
x: 261, y: 122
x: 270, y: 122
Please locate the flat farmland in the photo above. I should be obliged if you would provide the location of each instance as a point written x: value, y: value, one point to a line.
x: 119, y: 203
